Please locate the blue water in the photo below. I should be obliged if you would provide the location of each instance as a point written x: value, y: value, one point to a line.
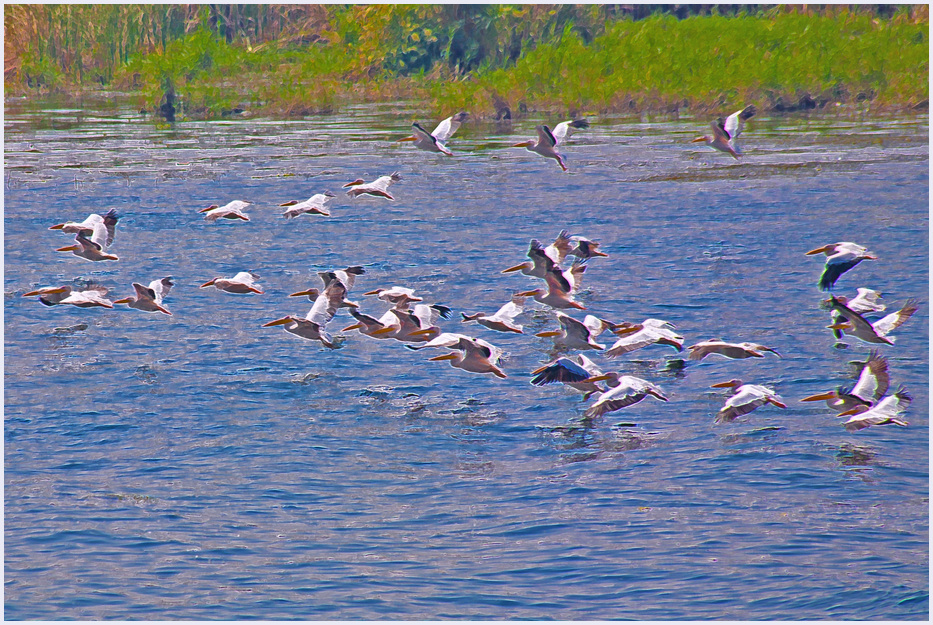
x: 200, y: 466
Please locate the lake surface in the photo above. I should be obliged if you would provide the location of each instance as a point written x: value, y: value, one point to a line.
x: 200, y: 466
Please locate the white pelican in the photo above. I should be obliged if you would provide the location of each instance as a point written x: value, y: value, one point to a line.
x: 243, y: 282
x: 585, y: 248
x: 473, y: 355
x: 95, y: 247
x: 437, y: 140
x: 575, y: 334
x: 634, y: 336
x: 149, y: 298
x: 231, y: 210
x: 575, y: 374
x: 555, y: 296
x: 745, y: 398
x: 347, y: 277
x: 86, y: 227
x: 885, y: 412
x: 370, y: 326
x: 82, y: 298
x: 871, y: 386
x: 627, y: 390
x: 545, y: 145
x: 840, y: 257
x: 377, y: 188
x: 314, y: 205
x: 397, y: 296
x: 312, y: 327
x: 864, y: 330
x: 866, y: 301
x: 729, y: 350
x: 503, y: 320
x: 544, y: 259
x: 418, y: 324
x: 726, y: 131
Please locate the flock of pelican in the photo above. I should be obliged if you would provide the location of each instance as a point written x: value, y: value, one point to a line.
x: 560, y: 267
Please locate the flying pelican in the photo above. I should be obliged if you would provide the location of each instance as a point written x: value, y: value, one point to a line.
x: 312, y: 327
x: 503, y: 320
x: 745, y: 398
x: 347, y: 277
x: 418, y: 324
x: 473, y: 355
x: 243, y: 282
x: 95, y: 247
x: 729, y: 350
x: 437, y: 140
x: 555, y: 296
x: 725, y: 132
x: 840, y: 257
x: 314, y: 205
x: 575, y: 374
x: 626, y: 391
x: 575, y: 334
x: 86, y: 227
x: 82, y: 298
x: 585, y: 249
x: 397, y: 296
x: 634, y: 336
x: 149, y: 298
x: 378, y: 187
x: 866, y: 301
x: 547, y: 142
x: 370, y: 326
x: 231, y: 210
x: 546, y: 261
x: 864, y: 330
x: 871, y: 386
x: 884, y: 412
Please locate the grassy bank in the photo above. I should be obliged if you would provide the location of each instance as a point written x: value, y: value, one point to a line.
x: 299, y: 61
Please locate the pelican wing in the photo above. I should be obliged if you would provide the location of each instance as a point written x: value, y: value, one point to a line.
x: 545, y: 138
x: 891, y: 322
x: 873, y: 380
x: 735, y: 123
x: 885, y: 412
x: 448, y: 127
x: 562, y: 370
x: 563, y: 130
x: 144, y: 292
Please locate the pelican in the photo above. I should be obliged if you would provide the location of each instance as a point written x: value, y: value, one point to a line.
x: 545, y: 261
x: 503, y: 320
x: 376, y: 188
x: 575, y: 334
x: 314, y: 205
x: 555, y: 296
x: 634, y: 336
x: 729, y: 350
x: 149, y: 298
x: 231, y: 210
x: 884, y: 412
x: 744, y: 399
x: 871, y: 386
x: 725, y: 132
x: 546, y: 144
x: 585, y: 249
x: 87, y: 226
x: 312, y: 327
x: 419, y: 324
x: 864, y: 330
x: 473, y: 355
x: 575, y: 374
x: 397, y: 296
x: 437, y: 140
x: 243, y: 282
x: 82, y: 298
x: 95, y: 247
x: 840, y: 257
x: 347, y: 277
x: 370, y: 326
x: 626, y: 391
x: 866, y: 301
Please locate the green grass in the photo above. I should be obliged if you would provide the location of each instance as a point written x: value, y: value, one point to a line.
x: 560, y: 58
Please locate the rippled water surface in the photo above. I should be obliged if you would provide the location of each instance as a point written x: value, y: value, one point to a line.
x: 200, y: 466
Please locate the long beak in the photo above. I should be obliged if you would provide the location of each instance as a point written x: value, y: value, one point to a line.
x: 598, y: 253
x: 125, y: 300
x: 849, y: 412
x: 523, y: 144
x: 211, y: 207
x: 424, y: 332
x: 843, y: 325
x: 527, y: 293
x: 70, y: 248
x: 209, y: 283
x: 729, y: 384
x: 548, y: 333
x: 820, y: 397
x: 44, y: 292
x: 598, y: 378
x: 373, y: 292
x: 289, y: 203
x: 698, y: 139
x: 355, y: 326
x: 819, y: 250
x: 777, y: 403
x: 625, y: 330
x: 354, y: 183
x: 277, y: 322
x: 57, y: 227
x: 515, y: 268
x: 309, y: 293
x: 444, y: 357
x: 407, y: 139
x: 385, y: 330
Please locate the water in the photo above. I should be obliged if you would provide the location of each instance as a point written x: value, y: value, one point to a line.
x: 199, y: 466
